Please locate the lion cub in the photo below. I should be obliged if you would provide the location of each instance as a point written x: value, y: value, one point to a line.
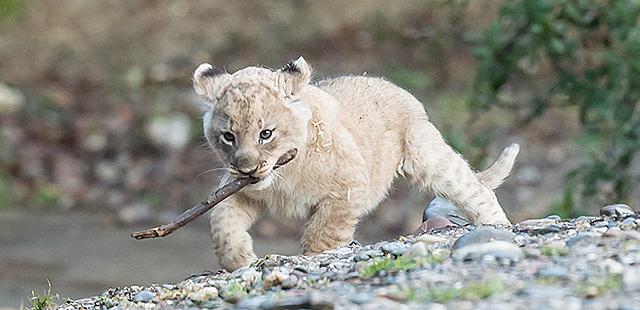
x: 354, y: 135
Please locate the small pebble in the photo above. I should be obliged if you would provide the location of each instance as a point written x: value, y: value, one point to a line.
x: 600, y: 224
x: 274, y: 278
x: 537, y: 223
x: 250, y: 276
x: 293, y: 302
x: 418, y: 249
x: 395, y: 248
x: 203, y: 294
x: 582, y: 237
x: 144, y: 296
x: 289, y: 282
x: 426, y: 238
x: 553, y: 217
x: 361, y: 257
x: 552, y: 272
x: 547, y: 230
x: 360, y: 298
x: 628, y: 224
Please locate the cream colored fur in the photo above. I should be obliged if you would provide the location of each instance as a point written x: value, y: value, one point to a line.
x: 354, y: 135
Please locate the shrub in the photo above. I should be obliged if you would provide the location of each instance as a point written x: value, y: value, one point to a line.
x: 583, y: 54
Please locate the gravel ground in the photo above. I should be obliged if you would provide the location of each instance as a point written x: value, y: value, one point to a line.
x: 549, y: 263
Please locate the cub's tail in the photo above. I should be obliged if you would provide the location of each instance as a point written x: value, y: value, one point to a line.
x: 500, y: 169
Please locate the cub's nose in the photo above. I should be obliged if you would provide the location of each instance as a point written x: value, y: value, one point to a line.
x: 245, y: 166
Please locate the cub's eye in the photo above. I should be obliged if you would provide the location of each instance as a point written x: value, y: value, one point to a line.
x: 266, y: 134
x: 228, y: 137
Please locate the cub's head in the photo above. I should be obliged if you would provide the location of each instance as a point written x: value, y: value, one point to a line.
x: 254, y: 115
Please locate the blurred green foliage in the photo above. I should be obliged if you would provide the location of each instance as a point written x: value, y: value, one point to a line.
x: 10, y: 8
x: 578, y: 53
x: 6, y: 191
x: 47, y: 196
x: 412, y: 80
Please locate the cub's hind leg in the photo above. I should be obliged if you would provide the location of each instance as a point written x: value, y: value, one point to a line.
x: 434, y: 165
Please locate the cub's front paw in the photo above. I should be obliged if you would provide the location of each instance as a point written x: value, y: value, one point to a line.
x: 233, y: 262
x: 311, y: 253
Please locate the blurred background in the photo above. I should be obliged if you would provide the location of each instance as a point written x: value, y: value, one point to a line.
x: 100, y: 132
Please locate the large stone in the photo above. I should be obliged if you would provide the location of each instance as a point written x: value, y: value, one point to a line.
x: 434, y: 223
x: 441, y: 207
x: 483, y: 234
x: 616, y: 210
x: 486, y: 240
x: 498, y: 249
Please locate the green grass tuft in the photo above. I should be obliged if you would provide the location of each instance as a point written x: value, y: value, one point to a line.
x: 48, y: 196
x: 6, y: 191
x: 554, y: 251
x: 45, y: 301
x: 11, y: 8
x: 388, y: 264
x: 234, y: 291
x: 394, y: 264
x: 600, y: 286
x: 470, y: 291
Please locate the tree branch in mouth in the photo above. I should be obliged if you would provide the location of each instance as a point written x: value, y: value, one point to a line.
x: 212, y: 200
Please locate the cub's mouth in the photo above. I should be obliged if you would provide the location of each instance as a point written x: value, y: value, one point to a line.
x: 261, y: 171
x: 264, y: 174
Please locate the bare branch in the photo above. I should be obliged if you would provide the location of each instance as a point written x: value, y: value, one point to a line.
x: 211, y: 201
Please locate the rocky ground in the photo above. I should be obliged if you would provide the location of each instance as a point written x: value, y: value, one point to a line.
x: 587, y: 262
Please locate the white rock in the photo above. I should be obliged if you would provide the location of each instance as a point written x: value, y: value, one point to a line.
x: 250, y: 276
x: 107, y: 171
x: 613, y: 266
x: 172, y: 131
x: 10, y: 99
x: 94, y: 142
x: 419, y: 249
x: 631, y: 277
x: 160, y: 72
x: 529, y: 175
x: 203, y: 294
x: 498, y: 249
x: 135, y: 213
x: 426, y: 238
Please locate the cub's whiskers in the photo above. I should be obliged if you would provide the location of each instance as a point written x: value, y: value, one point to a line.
x: 209, y: 171
x: 279, y: 177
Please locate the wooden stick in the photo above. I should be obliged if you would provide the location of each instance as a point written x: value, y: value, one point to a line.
x: 211, y: 201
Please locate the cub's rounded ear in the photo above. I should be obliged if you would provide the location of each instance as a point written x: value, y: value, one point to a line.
x: 207, y: 80
x: 296, y: 74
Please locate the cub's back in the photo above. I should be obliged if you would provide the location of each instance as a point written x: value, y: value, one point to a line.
x: 376, y: 112
x: 372, y: 98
